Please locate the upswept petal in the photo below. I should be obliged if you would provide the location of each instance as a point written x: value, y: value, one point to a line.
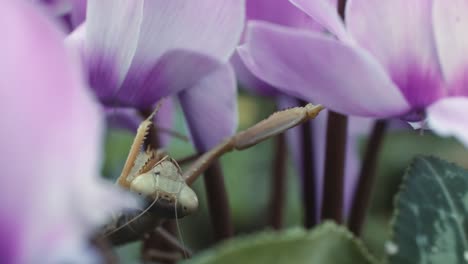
x: 279, y: 12
x: 249, y: 81
x: 112, y: 31
x: 49, y: 186
x: 179, y: 25
x: 447, y: 117
x: 175, y: 71
x: 210, y: 108
x: 324, y: 12
x: 450, y: 24
x: 317, y: 68
x: 399, y: 34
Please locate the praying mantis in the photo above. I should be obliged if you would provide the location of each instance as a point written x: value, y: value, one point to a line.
x: 156, y: 177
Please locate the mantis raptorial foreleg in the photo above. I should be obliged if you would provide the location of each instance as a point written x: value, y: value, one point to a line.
x: 158, y: 176
x: 277, y: 123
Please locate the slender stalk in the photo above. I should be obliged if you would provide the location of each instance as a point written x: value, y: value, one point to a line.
x: 308, y: 176
x: 334, y: 167
x: 278, y: 187
x: 367, y: 177
x: 218, y: 203
x: 341, y: 8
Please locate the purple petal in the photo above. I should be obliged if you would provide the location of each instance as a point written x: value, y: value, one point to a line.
x: 320, y: 69
x: 324, y: 12
x: 404, y: 46
x: 172, y: 73
x: 279, y: 12
x: 55, y: 8
x: 250, y: 81
x: 123, y: 118
x: 78, y: 12
x: 111, y: 42
x: 210, y: 108
x: 178, y: 25
x: 450, y: 24
x: 51, y: 198
x: 447, y: 117
x: 129, y: 119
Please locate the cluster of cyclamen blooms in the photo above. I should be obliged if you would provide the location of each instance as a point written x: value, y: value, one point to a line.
x: 373, y: 65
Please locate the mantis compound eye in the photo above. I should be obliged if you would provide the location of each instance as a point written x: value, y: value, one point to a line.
x: 145, y: 184
x: 188, y: 201
x: 176, y: 205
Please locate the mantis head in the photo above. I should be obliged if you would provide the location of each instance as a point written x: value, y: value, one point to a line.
x: 164, y: 183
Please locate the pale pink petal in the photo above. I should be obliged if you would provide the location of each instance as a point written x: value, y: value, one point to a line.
x: 211, y: 28
x: 249, y: 81
x: 325, y: 13
x: 173, y: 72
x: 52, y: 199
x: 55, y: 8
x: 450, y: 23
x: 448, y: 117
x: 279, y: 12
x: 320, y: 69
x: 112, y: 32
x: 78, y: 12
x: 210, y: 108
x: 399, y: 34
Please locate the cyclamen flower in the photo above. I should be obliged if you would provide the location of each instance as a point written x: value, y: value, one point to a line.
x: 394, y: 58
x: 282, y: 12
x: 145, y: 50
x: 51, y: 197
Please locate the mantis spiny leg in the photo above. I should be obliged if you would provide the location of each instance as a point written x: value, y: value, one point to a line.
x: 275, y: 124
x: 138, y: 141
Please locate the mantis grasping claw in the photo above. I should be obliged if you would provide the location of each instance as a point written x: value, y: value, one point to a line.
x: 158, y: 178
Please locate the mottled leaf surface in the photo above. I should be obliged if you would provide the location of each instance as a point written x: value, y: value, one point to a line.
x: 430, y: 224
x: 327, y: 243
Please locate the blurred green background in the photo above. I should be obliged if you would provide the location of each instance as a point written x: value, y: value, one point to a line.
x: 248, y: 173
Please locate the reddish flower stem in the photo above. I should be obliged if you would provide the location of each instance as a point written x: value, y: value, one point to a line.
x: 367, y: 177
x: 278, y: 187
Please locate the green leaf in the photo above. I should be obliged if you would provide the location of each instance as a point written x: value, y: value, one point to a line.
x: 327, y: 243
x: 430, y: 223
